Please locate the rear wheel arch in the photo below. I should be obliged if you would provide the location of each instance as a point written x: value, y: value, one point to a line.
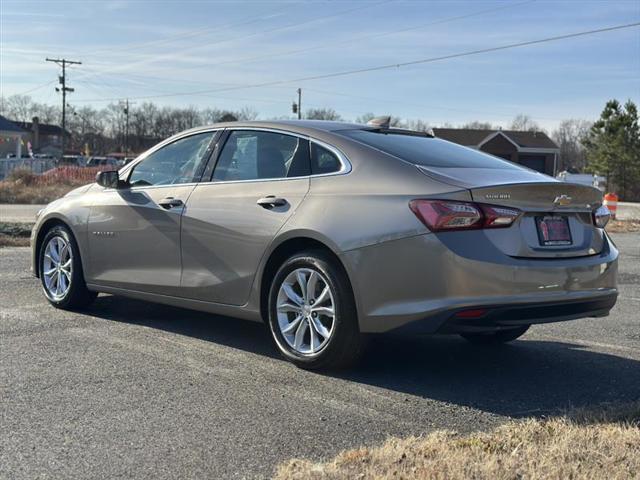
x: 285, y: 250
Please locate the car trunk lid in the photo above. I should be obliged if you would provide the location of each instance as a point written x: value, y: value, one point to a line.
x: 556, y: 219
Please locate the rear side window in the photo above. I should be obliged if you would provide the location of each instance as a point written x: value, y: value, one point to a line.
x: 254, y: 155
x: 427, y: 151
x: 323, y: 161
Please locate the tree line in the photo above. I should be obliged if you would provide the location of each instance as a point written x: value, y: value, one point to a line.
x: 609, y: 146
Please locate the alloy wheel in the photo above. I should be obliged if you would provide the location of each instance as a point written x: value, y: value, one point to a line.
x: 57, y: 268
x: 306, y: 311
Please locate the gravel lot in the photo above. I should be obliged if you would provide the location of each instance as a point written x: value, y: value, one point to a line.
x: 135, y: 390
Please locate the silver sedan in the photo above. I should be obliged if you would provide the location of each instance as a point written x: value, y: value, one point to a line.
x: 329, y: 231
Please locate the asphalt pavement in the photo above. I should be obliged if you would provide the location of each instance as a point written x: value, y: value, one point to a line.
x: 129, y: 389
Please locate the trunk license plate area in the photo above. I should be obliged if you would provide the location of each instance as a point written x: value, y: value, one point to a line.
x: 553, y: 230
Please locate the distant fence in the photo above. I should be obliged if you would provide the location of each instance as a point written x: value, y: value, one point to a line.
x: 36, y: 165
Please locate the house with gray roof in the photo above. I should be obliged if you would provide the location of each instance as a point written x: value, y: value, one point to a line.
x: 11, y: 138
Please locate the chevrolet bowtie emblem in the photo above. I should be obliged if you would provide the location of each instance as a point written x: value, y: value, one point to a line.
x: 562, y: 200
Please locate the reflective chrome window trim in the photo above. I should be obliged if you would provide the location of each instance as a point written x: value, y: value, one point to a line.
x: 342, y: 158
x: 126, y: 170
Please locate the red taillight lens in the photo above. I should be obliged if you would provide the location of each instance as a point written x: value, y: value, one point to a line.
x: 443, y: 215
x: 497, y: 217
x: 474, y: 313
x: 439, y: 215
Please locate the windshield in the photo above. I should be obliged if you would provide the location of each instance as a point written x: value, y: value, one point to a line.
x: 427, y: 151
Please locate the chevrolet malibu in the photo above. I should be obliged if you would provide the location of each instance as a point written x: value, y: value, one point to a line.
x: 330, y: 231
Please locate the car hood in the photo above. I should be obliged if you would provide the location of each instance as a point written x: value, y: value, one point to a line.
x: 80, y: 190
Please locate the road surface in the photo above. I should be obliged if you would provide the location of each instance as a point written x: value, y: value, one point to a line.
x: 134, y: 390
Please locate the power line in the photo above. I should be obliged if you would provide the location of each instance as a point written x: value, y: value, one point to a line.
x: 290, y: 52
x: 36, y: 88
x: 193, y: 33
x: 389, y: 66
x: 353, y: 41
x: 168, y: 57
x: 413, y: 104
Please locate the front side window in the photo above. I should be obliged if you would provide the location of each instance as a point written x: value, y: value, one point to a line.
x: 255, y: 155
x: 179, y: 162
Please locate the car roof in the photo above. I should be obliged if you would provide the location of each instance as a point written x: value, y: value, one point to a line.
x: 304, y: 127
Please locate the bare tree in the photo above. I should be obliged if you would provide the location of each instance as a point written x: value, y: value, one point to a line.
x: 395, y: 121
x: 18, y: 107
x: 364, y: 118
x: 525, y: 123
x: 322, y: 114
x: 570, y: 136
x: 417, y: 125
x: 478, y: 125
x: 247, y: 114
x: 46, y: 113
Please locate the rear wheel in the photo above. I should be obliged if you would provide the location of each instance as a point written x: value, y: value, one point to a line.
x: 312, y: 315
x: 495, y: 338
x: 61, y: 270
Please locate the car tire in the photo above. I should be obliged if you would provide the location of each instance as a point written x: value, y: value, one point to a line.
x: 338, y: 342
x: 496, y: 338
x: 61, y: 275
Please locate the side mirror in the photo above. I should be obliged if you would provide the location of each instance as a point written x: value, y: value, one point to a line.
x: 108, y: 179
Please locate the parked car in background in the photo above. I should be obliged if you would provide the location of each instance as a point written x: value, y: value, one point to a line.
x: 103, y: 162
x: 589, y: 179
x: 328, y: 231
x: 72, y: 161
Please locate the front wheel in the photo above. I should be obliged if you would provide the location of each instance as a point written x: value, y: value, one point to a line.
x: 61, y: 270
x: 496, y: 338
x: 312, y: 314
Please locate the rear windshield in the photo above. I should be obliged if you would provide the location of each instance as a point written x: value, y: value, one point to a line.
x: 427, y: 151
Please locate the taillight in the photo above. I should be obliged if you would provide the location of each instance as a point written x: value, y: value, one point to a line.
x: 601, y: 216
x: 443, y: 215
x: 440, y: 215
x: 495, y: 217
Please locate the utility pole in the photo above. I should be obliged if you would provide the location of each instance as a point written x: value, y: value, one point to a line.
x: 297, y: 107
x: 63, y: 62
x: 125, y: 109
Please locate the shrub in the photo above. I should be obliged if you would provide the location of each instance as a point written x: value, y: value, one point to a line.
x: 22, y: 186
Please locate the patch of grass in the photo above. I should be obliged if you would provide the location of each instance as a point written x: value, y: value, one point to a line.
x: 16, y: 229
x: 9, y: 241
x: 586, y: 444
x: 23, y: 186
x: 15, y: 234
x: 623, y: 226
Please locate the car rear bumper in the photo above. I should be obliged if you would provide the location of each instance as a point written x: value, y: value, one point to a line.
x: 497, y: 317
x: 419, y: 285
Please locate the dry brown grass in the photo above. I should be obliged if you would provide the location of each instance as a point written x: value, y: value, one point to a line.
x: 22, y: 186
x: 11, y: 241
x: 15, y: 234
x: 623, y: 226
x: 583, y: 445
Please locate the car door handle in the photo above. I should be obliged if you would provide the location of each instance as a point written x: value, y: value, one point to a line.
x: 271, y: 201
x: 170, y: 202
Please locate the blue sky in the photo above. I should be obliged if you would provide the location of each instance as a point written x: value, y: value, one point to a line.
x: 138, y: 48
